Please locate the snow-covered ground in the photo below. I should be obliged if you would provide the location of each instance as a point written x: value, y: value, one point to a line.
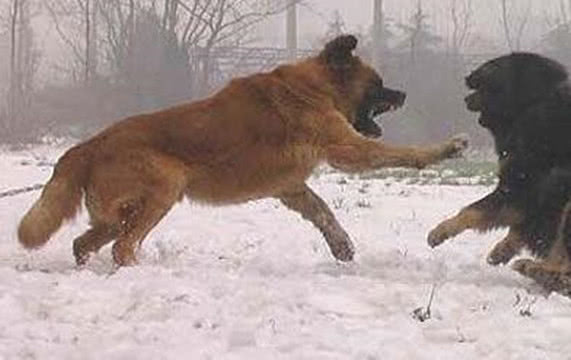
x: 257, y: 282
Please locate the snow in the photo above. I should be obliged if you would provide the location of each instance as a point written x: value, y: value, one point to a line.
x: 257, y: 282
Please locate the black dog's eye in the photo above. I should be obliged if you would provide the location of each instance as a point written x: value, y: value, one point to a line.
x: 494, y: 88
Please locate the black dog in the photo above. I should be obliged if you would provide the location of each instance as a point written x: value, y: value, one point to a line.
x: 524, y: 100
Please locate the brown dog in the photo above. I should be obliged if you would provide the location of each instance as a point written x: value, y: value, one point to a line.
x: 261, y: 136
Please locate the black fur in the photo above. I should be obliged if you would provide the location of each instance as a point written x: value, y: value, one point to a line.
x: 524, y: 100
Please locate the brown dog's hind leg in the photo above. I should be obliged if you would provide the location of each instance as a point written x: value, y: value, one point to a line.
x: 312, y: 208
x: 132, y: 192
x: 137, y: 219
x: 92, y: 240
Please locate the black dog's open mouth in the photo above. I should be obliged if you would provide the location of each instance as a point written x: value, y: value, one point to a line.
x: 474, y: 101
x: 474, y: 104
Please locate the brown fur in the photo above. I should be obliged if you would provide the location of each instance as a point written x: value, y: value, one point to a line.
x: 261, y: 136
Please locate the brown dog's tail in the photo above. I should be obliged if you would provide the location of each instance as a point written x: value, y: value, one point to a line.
x: 60, y: 199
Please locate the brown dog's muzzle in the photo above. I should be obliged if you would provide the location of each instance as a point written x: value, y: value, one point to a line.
x: 376, y: 102
x: 391, y: 99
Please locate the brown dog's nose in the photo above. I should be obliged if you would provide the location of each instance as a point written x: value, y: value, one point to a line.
x: 395, y: 97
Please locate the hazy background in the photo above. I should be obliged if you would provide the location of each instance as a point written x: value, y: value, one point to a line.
x: 315, y: 15
x: 71, y: 67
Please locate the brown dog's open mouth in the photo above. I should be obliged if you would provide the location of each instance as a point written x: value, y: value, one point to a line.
x: 370, y: 125
x: 386, y: 100
x: 384, y: 107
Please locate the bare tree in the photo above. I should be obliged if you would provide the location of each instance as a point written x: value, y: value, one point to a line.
x: 378, y: 36
x: 24, y: 60
x: 203, y: 24
x: 76, y: 24
x: 514, y: 24
x: 91, y: 58
x: 13, y: 90
x: 557, y: 40
x: 418, y: 35
x: 461, y: 13
x: 193, y: 26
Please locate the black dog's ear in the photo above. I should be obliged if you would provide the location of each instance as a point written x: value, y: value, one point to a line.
x: 339, y: 51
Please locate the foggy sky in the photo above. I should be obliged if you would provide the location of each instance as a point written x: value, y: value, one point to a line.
x: 357, y: 14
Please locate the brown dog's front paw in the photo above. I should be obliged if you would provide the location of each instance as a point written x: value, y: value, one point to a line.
x: 421, y: 163
x: 343, y: 251
x: 456, y: 146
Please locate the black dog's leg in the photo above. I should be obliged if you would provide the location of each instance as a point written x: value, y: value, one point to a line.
x: 509, y: 247
x: 545, y: 218
x: 485, y: 214
x: 554, y: 271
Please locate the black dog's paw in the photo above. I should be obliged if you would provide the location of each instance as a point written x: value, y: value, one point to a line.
x: 502, y: 253
x: 441, y: 233
x: 550, y: 277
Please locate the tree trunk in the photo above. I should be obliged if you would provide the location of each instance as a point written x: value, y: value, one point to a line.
x: 87, y: 68
x: 90, y: 40
x: 291, y: 30
x: 506, y: 24
x: 378, y: 35
x: 12, y: 93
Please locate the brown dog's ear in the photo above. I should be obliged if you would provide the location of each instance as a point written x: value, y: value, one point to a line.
x: 339, y: 51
